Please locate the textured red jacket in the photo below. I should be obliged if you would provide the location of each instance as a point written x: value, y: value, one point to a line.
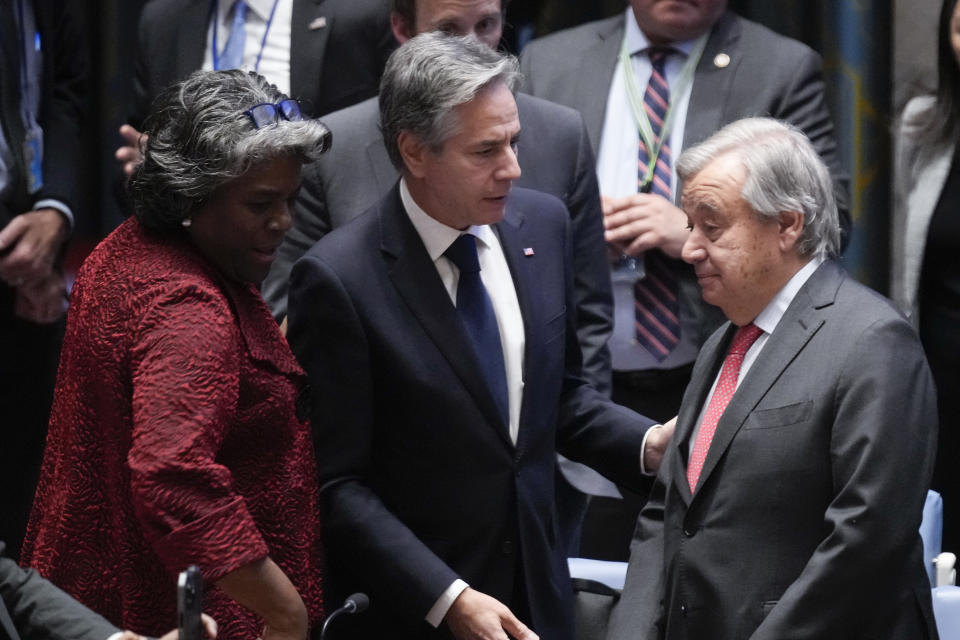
x: 174, y: 440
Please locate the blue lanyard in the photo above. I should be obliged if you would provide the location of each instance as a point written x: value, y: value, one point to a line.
x: 216, y: 20
x: 22, y: 37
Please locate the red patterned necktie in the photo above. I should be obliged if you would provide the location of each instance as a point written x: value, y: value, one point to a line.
x: 726, y: 386
x: 656, y: 304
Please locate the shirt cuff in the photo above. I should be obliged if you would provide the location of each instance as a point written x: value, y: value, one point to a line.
x: 439, y: 609
x: 65, y: 211
x: 643, y: 447
x: 115, y: 636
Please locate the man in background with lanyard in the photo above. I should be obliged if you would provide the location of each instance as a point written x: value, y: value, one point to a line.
x: 649, y: 82
x: 328, y: 55
x: 42, y: 69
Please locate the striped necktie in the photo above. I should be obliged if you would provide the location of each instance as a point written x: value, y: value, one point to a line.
x: 656, y: 301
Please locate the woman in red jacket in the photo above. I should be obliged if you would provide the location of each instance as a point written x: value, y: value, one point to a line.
x: 175, y: 436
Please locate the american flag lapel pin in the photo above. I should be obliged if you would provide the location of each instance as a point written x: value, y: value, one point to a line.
x: 528, y: 251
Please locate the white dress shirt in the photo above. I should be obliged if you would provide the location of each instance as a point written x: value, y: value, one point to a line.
x: 495, y: 274
x: 767, y: 320
x: 275, y: 60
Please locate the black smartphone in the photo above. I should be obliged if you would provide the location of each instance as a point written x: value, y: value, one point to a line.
x: 190, y: 604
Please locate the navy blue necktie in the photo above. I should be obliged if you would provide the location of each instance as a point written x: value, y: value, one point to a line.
x: 476, y: 312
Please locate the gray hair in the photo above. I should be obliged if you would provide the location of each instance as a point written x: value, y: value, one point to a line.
x: 427, y: 77
x: 199, y: 138
x: 784, y: 173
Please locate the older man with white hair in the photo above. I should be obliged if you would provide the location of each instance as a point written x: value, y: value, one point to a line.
x: 788, y: 503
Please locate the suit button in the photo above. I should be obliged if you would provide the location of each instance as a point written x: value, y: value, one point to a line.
x: 683, y: 610
x: 507, y: 547
x: 689, y: 532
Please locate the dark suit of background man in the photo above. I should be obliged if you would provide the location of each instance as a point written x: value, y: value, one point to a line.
x: 795, y: 514
x: 437, y: 456
x: 42, y: 71
x: 328, y: 54
x: 744, y: 70
x: 35, y: 609
x: 555, y: 157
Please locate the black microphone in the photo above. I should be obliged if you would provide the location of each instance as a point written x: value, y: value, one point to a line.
x: 356, y: 603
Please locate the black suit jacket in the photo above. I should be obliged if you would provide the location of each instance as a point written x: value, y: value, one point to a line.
x: 34, y: 609
x: 804, y: 524
x: 61, y: 95
x: 420, y: 481
x: 331, y: 66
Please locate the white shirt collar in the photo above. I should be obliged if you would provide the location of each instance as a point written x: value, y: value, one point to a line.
x: 636, y: 41
x: 437, y: 237
x: 770, y: 317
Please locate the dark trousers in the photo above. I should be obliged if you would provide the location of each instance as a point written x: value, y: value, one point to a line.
x: 571, y: 511
x: 609, y: 524
x: 28, y: 367
x: 941, y: 341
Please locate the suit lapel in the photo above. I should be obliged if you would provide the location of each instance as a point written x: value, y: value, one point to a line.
x: 801, y: 321
x: 594, y: 77
x: 309, y: 31
x: 711, y: 84
x: 7, y: 630
x: 701, y: 379
x: 416, y: 279
x: 192, y: 37
x: 515, y: 236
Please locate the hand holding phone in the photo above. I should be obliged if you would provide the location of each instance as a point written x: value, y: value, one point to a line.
x: 190, y: 604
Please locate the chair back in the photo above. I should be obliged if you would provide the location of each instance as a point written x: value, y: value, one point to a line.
x: 931, y: 531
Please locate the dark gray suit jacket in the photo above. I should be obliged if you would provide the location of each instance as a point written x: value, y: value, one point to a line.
x: 420, y: 481
x: 805, y: 521
x: 768, y: 75
x: 555, y: 158
x: 34, y: 609
x: 331, y: 67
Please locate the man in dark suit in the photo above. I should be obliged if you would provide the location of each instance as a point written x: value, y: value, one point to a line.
x: 789, y: 502
x: 35, y: 609
x: 437, y: 333
x: 42, y: 74
x: 555, y: 157
x: 717, y: 67
x: 333, y: 51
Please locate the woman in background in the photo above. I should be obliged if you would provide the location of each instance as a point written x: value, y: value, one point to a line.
x: 925, y: 235
x: 174, y: 437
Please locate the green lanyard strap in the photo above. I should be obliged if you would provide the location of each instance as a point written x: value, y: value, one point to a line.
x: 683, y: 82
